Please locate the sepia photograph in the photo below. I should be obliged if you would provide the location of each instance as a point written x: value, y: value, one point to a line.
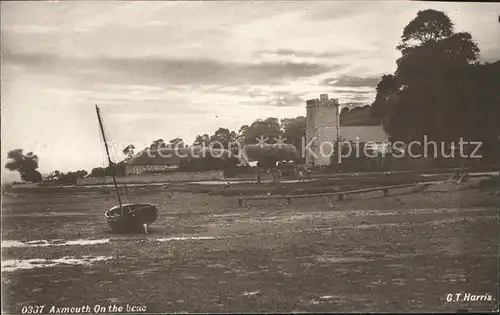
x: 163, y: 157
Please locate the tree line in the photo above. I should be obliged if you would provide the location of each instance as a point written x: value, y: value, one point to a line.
x: 26, y: 164
x: 439, y: 88
x: 293, y: 129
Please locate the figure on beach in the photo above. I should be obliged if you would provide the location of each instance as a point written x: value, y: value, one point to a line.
x: 276, y: 173
x: 300, y: 176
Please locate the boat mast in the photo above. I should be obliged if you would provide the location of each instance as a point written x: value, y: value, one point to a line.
x: 113, y: 169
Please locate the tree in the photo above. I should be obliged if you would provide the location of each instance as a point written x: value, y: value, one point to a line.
x: 202, y: 140
x: 344, y: 110
x: 222, y: 138
x: 429, y: 25
x: 157, y: 144
x: 71, y: 178
x: 98, y: 172
x: 81, y: 173
x: 118, y: 169
x: 233, y: 136
x: 430, y: 93
x: 261, y: 129
x: 386, y: 88
x: 484, y: 124
x: 32, y: 176
x: 433, y: 89
x: 129, y: 151
x: 294, y: 130
x: 209, y: 162
x: 176, y: 143
x: 439, y: 89
x: 54, y: 175
x: 242, y: 132
x: 25, y: 164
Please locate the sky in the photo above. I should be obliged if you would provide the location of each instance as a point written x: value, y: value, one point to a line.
x: 179, y: 69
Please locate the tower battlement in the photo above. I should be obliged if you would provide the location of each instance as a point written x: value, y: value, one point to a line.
x: 322, y: 101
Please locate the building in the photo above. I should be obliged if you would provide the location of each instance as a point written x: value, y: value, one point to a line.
x: 364, y: 134
x: 279, y: 152
x: 373, y: 137
x: 322, y: 129
x: 169, y: 159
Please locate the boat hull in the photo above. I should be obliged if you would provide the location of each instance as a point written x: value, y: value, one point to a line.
x: 136, y: 217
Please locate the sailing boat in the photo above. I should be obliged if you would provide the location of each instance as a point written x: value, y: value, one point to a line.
x: 128, y: 217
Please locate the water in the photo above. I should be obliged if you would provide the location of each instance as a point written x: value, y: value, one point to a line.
x: 56, y: 242
x: 11, y: 265
x: 185, y: 238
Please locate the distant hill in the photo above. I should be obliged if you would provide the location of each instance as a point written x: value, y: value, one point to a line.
x: 358, y: 116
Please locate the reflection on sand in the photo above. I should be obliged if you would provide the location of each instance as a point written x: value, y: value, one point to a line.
x: 185, y: 238
x: 15, y: 264
x: 42, y: 243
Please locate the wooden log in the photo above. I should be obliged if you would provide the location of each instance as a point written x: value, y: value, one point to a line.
x: 340, y: 195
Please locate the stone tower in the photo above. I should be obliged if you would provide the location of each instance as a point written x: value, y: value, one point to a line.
x: 322, y: 123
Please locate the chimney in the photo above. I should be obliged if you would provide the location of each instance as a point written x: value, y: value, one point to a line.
x: 323, y: 97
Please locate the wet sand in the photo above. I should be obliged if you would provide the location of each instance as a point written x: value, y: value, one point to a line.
x: 405, y: 252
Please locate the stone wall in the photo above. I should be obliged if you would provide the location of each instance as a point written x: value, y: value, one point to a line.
x: 151, y: 178
x: 139, y: 169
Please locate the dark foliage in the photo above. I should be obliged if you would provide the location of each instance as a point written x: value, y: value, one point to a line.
x: 439, y: 90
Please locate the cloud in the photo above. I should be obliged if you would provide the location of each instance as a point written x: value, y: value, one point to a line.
x: 340, y: 10
x: 286, y: 99
x: 306, y: 54
x: 279, y: 96
x: 352, y: 105
x: 166, y: 71
x: 253, y: 95
x: 350, y: 81
x: 363, y: 98
x: 356, y: 91
x: 29, y: 29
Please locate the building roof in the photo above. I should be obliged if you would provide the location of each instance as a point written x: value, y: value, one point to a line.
x: 363, y: 133
x: 254, y: 152
x: 175, y: 156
